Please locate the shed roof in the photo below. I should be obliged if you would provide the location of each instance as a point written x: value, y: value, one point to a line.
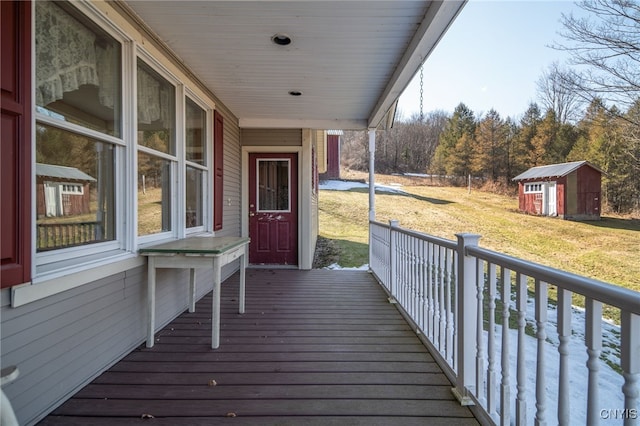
x: 553, y: 170
x: 61, y: 172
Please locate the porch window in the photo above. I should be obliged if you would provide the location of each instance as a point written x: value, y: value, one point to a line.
x: 156, y: 150
x: 88, y: 165
x: 154, y: 194
x: 195, y: 155
x: 78, y: 84
x: 273, y: 185
x: 66, y: 214
x: 78, y: 78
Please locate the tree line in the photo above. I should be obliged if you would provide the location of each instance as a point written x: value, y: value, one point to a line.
x: 588, y: 110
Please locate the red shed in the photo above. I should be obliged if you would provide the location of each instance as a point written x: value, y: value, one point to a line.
x: 62, y: 191
x: 332, y: 153
x: 566, y: 190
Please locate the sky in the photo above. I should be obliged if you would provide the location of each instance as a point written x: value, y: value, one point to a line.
x: 491, y: 57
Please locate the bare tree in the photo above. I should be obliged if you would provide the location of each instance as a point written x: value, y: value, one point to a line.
x: 556, y: 94
x: 605, y: 46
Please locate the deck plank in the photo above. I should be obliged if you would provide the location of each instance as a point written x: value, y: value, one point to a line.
x: 314, y: 348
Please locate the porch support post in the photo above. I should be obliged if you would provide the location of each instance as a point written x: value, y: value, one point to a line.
x: 372, y: 178
x: 466, y: 319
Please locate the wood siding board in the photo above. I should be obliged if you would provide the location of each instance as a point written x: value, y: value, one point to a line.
x: 589, y: 188
x: 279, y: 360
x: 274, y: 378
x: 561, y: 196
x: 232, y: 180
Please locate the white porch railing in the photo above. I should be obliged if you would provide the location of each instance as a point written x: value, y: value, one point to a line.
x: 462, y: 298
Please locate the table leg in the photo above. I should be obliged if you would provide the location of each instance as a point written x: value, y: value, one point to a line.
x: 151, y: 300
x: 192, y: 290
x: 243, y: 267
x: 215, y: 306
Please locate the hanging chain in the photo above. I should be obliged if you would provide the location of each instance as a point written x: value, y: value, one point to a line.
x: 421, y: 91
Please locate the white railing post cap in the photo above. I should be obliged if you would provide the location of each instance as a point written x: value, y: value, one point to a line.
x: 468, y: 239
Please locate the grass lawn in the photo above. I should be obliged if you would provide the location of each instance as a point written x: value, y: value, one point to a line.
x: 606, y: 250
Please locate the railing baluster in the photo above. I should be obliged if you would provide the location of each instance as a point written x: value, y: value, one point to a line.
x: 480, y: 279
x: 441, y: 294
x: 423, y: 283
x: 436, y: 296
x: 492, y: 386
x: 564, y: 332
x: 505, y: 384
x: 450, y: 320
x: 392, y: 258
x: 430, y: 296
x: 521, y: 376
x: 630, y: 363
x: 415, y: 297
x: 593, y: 341
x: 541, y: 307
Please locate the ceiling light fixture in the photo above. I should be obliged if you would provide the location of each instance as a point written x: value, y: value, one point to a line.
x: 281, y: 39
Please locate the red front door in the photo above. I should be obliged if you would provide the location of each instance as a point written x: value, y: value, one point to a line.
x: 273, y: 209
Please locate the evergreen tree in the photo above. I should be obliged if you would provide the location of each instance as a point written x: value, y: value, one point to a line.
x: 462, y: 123
x: 523, y: 144
x: 490, y: 147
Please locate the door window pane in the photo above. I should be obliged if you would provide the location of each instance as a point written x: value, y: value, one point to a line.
x: 195, y: 132
x: 75, y: 190
x: 273, y: 185
x: 154, y: 194
x: 156, y: 110
x: 194, y: 197
x: 78, y: 69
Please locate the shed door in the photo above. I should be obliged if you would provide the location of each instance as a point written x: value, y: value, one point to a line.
x: 552, y: 199
x: 273, y: 209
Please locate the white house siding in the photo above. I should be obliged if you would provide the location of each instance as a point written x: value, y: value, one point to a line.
x: 61, y: 342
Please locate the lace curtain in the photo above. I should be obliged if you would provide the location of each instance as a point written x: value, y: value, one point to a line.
x: 68, y: 57
x: 154, y: 98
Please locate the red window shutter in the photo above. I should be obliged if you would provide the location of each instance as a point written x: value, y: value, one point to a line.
x: 218, y: 161
x: 15, y: 143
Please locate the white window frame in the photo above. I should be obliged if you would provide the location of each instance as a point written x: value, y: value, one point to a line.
x: 258, y: 161
x: 177, y: 178
x: 55, y: 262
x: 533, y: 188
x: 207, y: 175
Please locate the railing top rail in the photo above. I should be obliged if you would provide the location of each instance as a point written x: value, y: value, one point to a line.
x: 610, y: 294
x: 419, y: 235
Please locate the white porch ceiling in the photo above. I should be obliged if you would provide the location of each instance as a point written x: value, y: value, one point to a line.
x: 350, y: 59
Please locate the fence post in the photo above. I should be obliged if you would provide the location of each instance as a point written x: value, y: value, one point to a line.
x: 393, y: 261
x: 466, y: 312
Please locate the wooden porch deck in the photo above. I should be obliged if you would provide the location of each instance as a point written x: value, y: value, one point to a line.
x: 314, y: 347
